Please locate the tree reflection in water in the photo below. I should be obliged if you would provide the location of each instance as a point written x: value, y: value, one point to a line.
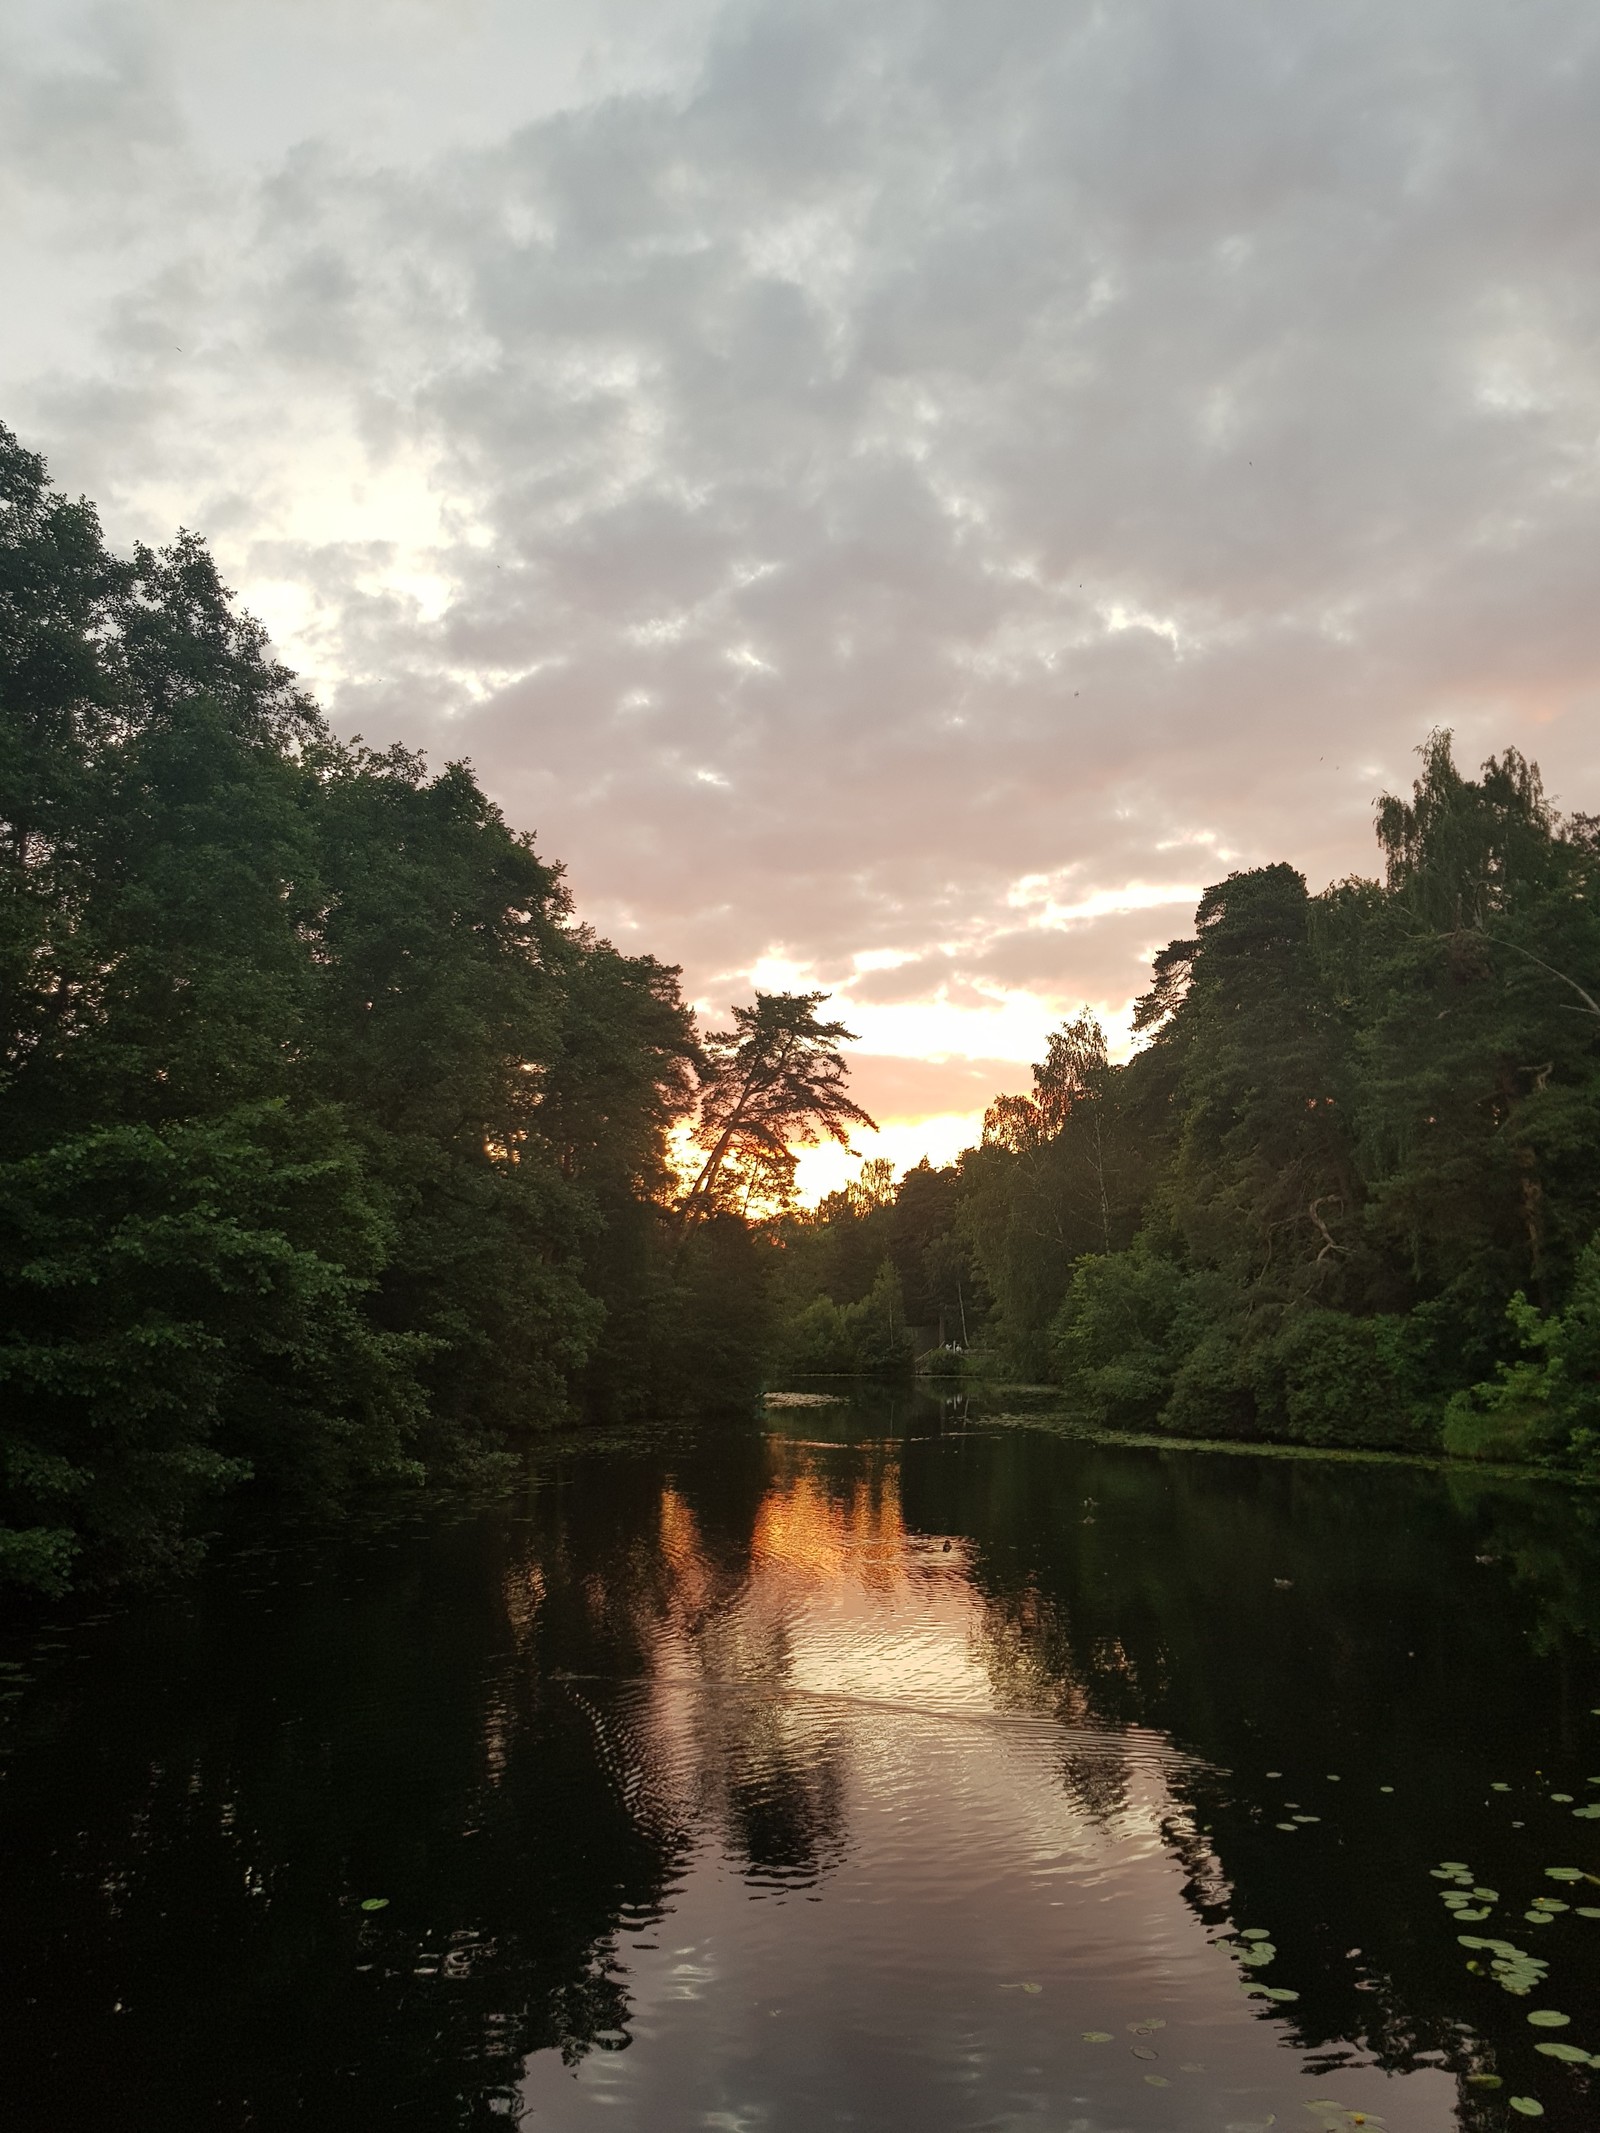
x: 773, y: 1769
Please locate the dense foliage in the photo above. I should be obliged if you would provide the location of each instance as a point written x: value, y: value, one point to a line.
x: 332, y: 1148
x: 1347, y: 1191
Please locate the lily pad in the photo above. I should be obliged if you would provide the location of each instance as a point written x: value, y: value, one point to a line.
x: 1589, y: 1910
x: 1476, y: 1912
x: 1143, y: 2051
x: 1492, y: 1788
x: 1562, y: 1799
x: 1097, y: 2036
x: 1548, y: 1903
x: 1033, y: 1988
x: 1289, y: 1826
x: 1487, y: 1895
x: 1158, y: 2081
x: 1255, y: 1933
x: 1281, y: 1992
x: 1455, y: 1866
x: 1586, y: 1814
x: 374, y: 1903
x: 1485, y: 2081
x: 1528, y: 2106
x: 1547, y: 2018
x: 1386, y: 1788
x: 1564, y: 1873
x: 1571, y: 2054
x: 1318, y: 1818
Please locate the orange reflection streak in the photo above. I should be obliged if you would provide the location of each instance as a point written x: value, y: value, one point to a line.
x: 803, y: 1526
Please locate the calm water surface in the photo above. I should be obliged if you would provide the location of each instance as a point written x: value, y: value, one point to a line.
x: 873, y: 1766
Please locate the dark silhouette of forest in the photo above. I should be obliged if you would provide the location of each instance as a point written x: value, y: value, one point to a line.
x: 1346, y: 1192
x: 334, y: 1149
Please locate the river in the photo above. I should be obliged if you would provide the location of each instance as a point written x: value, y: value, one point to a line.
x: 874, y: 1765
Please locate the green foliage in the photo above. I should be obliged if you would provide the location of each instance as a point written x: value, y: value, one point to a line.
x: 332, y: 1150
x: 1344, y: 1194
x: 869, y: 1338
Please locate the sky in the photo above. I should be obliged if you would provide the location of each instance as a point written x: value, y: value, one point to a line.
x: 897, y: 498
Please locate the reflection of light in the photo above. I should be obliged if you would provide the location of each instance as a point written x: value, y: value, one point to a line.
x: 801, y: 1527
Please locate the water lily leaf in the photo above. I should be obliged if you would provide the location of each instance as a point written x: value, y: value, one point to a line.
x: 1480, y: 1911
x: 1562, y: 1799
x: 1255, y: 1933
x: 1492, y: 1788
x: 1564, y: 1873
x: 1586, y: 1814
x: 1471, y: 1940
x: 1158, y: 2081
x: 375, y: 1903
x: 1281, y: 1992
x: 1386, y: 1788
x: 1547, y: 2018
x: 1455, y: 1866
x: 1548, y: 1903
x: 1097, y: 2036
x: 1318, y: 1818
x: 1487, y: 1895
x: 1146, y: 2026
x: 1572, y: 2054
x: 1485, y: 2081
x: 1529, y: 2106
x: 1289, y: 1826
x: 1333, y: 1777
x: 1279, y: 1773
x: 1143, y: 2051
x: 1589, y: 1910
x: 1033, y: 1988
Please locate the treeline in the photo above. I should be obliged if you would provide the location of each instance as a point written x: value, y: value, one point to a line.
x: 1346, y: 1192
x: 333, y: 1149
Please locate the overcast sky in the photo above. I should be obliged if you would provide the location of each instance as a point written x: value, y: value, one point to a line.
x: 898, y: 496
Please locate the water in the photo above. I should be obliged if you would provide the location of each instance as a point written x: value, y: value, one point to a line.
x: 871, y: 1767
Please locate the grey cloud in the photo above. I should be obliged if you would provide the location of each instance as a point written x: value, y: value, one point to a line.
x: 921, y: 454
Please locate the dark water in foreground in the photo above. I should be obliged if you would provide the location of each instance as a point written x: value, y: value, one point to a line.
x: 871, y: 1767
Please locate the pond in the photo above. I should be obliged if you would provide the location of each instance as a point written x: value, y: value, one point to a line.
x: 875, y: 1765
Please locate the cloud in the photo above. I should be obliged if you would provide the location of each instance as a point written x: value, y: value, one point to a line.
x: 886, y: 492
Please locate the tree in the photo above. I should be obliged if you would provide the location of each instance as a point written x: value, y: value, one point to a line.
x: 774, y: 1082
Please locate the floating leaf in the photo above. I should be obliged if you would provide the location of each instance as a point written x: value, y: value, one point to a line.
x: 1143, y: 2051
x: 1386, y: 1788
x: 1279, y: 1773
x: 1571, y: 2054
x: 1548, y: 1903
x: 1158, y: 2081
x: 1485, y: 2081
x: 1033, y: 1988
x: 1471, y: 1940
x: 1529, y: 2106
x: 375, y: 1903
x: 1547, y: 2018
x: 1562, y: 1799
x: 1097, y: 2036
x: 1589, y: 1910
x: 1586, y: 1814
x: 1318, y: 1818
x: 1479, y: 1911
x: 1255, y: 1933
x: 1538, y: 1918
x: 1289, y: 1826
x: 1564, y: 1873
x: 1455, y: 1866
x: 1281, y: 1992
x: 1487, y: 1895
x: 1492, y: 1788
